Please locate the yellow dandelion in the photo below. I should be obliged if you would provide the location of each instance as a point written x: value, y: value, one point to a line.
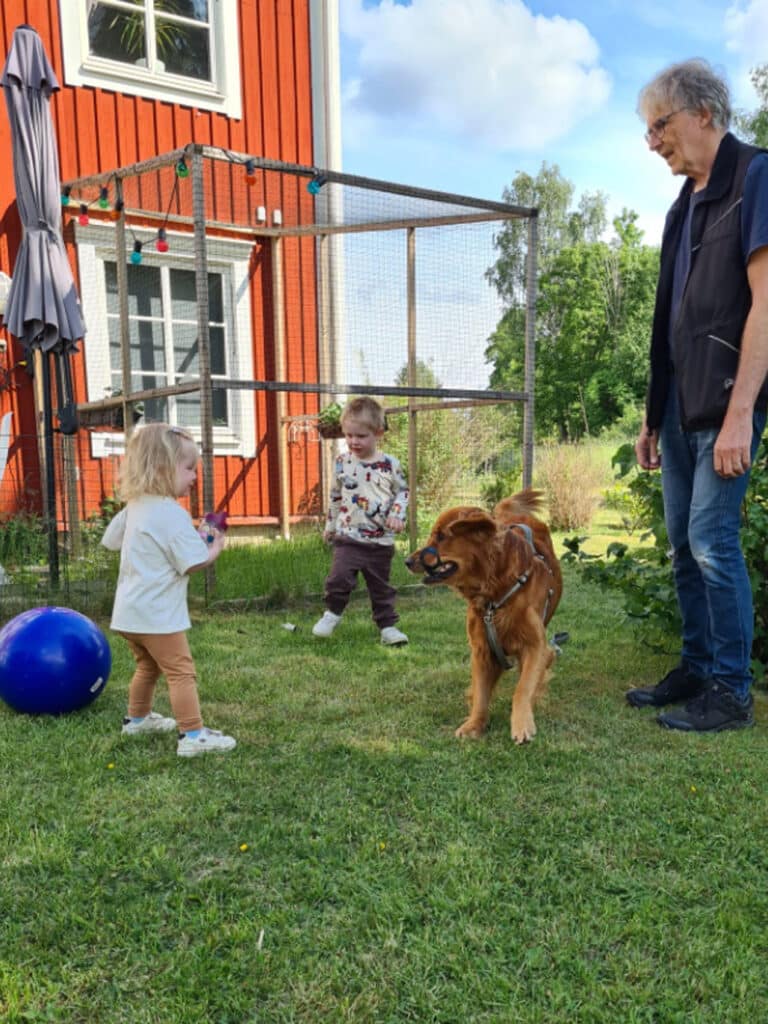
x: 693, y: 789
x: 243, y: 847
x: 110, y: 765
x: 382, y: 846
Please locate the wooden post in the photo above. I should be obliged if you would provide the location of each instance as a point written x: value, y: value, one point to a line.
x: 530, y: 351
x: 283, y: 467
x: 197, y: 170
x: 325, y: 367
x: 412, y: 414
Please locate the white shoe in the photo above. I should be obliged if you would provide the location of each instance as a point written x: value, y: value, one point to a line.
x: 150, y: 723
x: 325, y: 626
x: 210, y: 741
x: 392, y: 637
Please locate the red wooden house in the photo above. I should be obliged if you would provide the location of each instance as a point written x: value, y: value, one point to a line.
x: 143, y: 78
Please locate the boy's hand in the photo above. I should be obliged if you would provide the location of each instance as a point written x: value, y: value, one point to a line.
x: 395, y: 524
x: 328, y: 536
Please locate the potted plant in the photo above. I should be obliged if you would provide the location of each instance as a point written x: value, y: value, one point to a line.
x: 329, y: 421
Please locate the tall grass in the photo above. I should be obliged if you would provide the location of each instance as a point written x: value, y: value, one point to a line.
x: 572, y: 477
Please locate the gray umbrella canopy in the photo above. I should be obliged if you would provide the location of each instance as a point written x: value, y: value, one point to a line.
x: 43, y: 309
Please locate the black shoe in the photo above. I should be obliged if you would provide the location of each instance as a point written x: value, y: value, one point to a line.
x: 676, y: 686
x: 715, y: 709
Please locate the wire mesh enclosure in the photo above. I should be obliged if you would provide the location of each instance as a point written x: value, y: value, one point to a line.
x: 239, y: 297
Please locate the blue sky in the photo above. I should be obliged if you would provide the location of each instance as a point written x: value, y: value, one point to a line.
x: 460, y: 95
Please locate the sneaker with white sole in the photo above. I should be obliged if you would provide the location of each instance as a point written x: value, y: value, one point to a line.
x: 325, y: 626
x: 209, y: 741
x: 149, y: 724
x: 392, y: 637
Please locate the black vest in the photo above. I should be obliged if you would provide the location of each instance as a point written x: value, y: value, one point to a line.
x: 706, y: 334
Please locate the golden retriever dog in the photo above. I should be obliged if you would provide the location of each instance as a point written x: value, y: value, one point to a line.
x: 505, y: 568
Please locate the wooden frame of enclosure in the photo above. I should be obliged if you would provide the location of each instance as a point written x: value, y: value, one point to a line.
x: 467, y: 210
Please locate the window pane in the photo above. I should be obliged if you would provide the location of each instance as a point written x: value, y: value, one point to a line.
x: 144, y: 297
x: 196, y: 10
x: 116, y: 33
x: 184, y: 49
x: 215, y: 299
x: 183, y: 295
x: 186, y: 355
x: 146, y: 341
x: 188, y: 409
x: 218, y: 355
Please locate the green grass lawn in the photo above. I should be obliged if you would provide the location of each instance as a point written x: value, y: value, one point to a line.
x: 352, y: 862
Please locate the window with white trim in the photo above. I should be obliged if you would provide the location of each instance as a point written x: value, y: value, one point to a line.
x: 173, y: 50
x: 163, y: 334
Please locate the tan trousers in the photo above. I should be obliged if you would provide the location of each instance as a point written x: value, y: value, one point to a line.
x: 165, y: 654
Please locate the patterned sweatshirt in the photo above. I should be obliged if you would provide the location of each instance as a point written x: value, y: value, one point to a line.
x: 363, y: 495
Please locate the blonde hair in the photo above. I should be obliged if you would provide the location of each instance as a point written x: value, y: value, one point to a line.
x: 366, y: 411
x: 151, y: 457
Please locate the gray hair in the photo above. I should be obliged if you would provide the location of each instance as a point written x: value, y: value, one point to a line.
x: 689, y: 85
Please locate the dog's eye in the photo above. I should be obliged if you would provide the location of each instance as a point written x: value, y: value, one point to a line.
x: 439, y: 536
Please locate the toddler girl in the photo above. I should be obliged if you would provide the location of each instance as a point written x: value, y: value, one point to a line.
x: 159, y: 547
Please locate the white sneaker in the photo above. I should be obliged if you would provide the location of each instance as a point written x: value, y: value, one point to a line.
x: 210, y: 741
x: 150, y: 723
x: 325, y: 626
x: 392, y: 637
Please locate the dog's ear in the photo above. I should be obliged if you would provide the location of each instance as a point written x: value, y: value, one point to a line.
x: 475, y: 520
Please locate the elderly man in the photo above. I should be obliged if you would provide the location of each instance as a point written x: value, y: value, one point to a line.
x: 707, y: 393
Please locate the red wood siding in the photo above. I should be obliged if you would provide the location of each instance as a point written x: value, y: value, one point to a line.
x: 98, y: 131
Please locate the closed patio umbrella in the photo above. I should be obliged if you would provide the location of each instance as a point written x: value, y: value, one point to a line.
x: 43, y: 309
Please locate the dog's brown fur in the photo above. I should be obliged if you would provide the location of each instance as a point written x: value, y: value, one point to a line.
x: 489, y: 555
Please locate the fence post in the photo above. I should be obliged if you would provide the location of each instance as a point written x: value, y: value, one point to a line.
x: 530, y: 348
x: 412, y: 413
x: 203, y: 344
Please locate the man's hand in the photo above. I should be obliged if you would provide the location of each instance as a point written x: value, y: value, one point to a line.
x: 647, y: 448
x: 731, y: 456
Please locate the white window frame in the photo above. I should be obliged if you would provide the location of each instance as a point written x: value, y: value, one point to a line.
x: 222, y: 95
x: 95, y: 247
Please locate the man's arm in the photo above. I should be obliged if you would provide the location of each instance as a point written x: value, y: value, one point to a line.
x: 732, y: 448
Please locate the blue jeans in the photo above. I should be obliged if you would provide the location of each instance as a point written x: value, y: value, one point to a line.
x: 703, y: 516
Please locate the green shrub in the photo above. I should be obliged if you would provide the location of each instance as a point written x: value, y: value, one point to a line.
x: 643, y: 575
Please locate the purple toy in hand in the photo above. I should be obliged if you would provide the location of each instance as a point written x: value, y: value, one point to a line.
x: 213, y: 521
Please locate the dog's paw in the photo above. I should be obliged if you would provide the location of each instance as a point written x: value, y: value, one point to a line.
x: 523, y: 729
x: 471, y: 730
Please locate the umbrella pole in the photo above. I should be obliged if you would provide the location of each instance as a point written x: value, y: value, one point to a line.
x: 50, y: 475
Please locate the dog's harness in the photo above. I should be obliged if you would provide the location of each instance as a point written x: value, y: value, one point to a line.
x: 493, y: 606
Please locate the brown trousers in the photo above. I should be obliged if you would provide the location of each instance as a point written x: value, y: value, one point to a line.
x: 374, y: 561
x: 165, y: 654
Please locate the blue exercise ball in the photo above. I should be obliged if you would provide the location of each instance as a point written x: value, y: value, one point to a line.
x: 52, y: 660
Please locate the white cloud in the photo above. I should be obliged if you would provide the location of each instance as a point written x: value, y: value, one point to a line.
x: 484, y: 70
x: 746, y: 29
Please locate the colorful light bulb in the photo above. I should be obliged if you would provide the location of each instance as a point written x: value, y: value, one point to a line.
x: 162, y: 242
x: 136, y: 256
x: 83, y: 215
x: 182, y: 171
x: 104, y: 198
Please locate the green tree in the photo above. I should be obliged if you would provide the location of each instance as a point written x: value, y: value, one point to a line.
x: 754, y: 126
x: 593, y: 315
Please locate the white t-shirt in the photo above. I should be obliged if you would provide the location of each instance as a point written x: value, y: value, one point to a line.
x: 158, y: 543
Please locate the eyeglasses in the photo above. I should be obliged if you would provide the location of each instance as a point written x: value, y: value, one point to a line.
x: 657, y: 129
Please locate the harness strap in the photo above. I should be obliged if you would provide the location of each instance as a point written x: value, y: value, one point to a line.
x: 492, y: 607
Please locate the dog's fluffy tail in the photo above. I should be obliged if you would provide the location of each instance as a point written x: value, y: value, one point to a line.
x: 524, y: 503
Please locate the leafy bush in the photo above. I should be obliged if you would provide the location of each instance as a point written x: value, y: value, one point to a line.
x: 643, y: 575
